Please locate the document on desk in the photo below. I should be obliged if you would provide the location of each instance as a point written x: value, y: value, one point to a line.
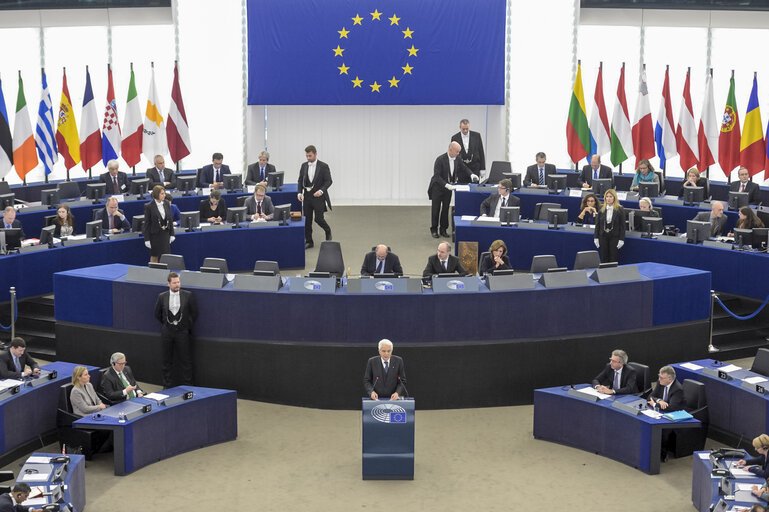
x: 487, y: 219
x: 468, y: 217
x: 9, y: 383
x: 575, y: 192
x: 652, y: 414
x: 691, y: 366
x: 76, y: 237
x: 743, y: 487
x: 38, y: 460
x: 36, y: 477
x: 156, y: 396
x: 593, y: 392
x: 462, y: 188
x: 729, y: 368
x: 755, y: 380
x: 739, y: 472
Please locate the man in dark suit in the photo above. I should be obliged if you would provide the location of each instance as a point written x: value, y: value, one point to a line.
x: 259, y: 206
x: 535, y: 174
x: 118, y: 383
x: 257, y: 172
x: 491, y: 205
x: 716, y: 218
x: 113, y: 220
x: 447, y: 171
x: 669, y: 393
x: 14, y: 361
x: 443, y: 262
x: 159, y: 175
x: 211, y: 174
x: 10, y: 221
x: 116, y: 180
x: 177, y: 311
x: 745, y: 185
x: 592, y: 171
x: 472, y: 147
x: 617, y: 378
x: 381, y: 261
x: 313, y: 183
x: 385, y: 374
x: 13, y: 502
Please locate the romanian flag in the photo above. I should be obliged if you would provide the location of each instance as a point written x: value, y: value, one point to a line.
x: 24, y: 154
x: 752, y: 146
x: 577, y: 131
x: 66, y: 133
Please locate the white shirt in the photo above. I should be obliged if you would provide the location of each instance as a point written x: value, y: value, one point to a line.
x: 609, y: 214
x: 383, y: 363
x: 499, y: 204
x: 174, y: 302
x: 161, y: 209
x: 311, y: 170
x: 451, y: 166
x: 466, y: 141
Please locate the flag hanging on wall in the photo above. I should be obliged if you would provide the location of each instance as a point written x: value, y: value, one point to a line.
x: 131, y: 146
x: 90, y: 138
x: 621, y: 134
x: 665, y: 130
x: 643, y: 133
x: 686, y: 133
x: 66, y: 131
x: 600, y: 140
x: 577, y: 131
x: 752, y: 145
x: 707, y: 136
x: 110, y: 128
x: 154, y: 136
x: 6, y: 143
x: 24, y: 156
x: 45, y: 139
x: 729, y: 138
x: 177, y: 130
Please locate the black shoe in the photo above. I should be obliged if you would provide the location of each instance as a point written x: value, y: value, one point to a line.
x: 444, y: 234
x: 434, y: 233
x: 328, y: 235
x: 309, y: 245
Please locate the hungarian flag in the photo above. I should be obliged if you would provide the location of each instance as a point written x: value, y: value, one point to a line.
x: 686, y: 133
x: 600, y: 140
x: 90, y: 138
x: 729, y: 138
x: 707, y: 136
x: 24, y: 154
x: 66, y: 131
x: 132, y: 142
x: 752, y: 146
x: 577, y: 131
x: 6, y: 143
x: 643, y: 133
x: 665, y: 130
x: 154, y: 136
x: 110, y: 128
x: 621, y: 134
x: 177, y: 131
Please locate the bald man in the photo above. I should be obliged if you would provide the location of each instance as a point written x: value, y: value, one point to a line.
x: 447, y: 171
x: 381, y: 261
x: 716, y: 218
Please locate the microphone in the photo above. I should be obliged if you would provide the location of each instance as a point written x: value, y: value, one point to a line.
x: 373, y: 388
x: 403, y: 383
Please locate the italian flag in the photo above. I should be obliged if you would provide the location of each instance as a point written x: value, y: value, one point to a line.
x: 131, y: 146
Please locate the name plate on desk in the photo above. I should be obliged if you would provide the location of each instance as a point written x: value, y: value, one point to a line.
x: 513, y: 282
x: 579, y: 229
x: 533, y: 191
x: 32, y: 248
x: 147, y: 275
x: 216, y: 227
x: 564, y: 279
x: 676, y: 239
x: 630, y: 404
x: 759, y: 388
x: 42, y: 378
x: 668, y: 200
x: 486, y: 188
x: 717, y: 373
x: 264, y: 224
x: 76, y: 241
x: 717, y: 244
x: 582, y: 396
x: 36, y: 208
x: 384, y: 285
x: 124, y: 411
x: 326, y: 285
x: 533, y: 225
x: 257, y: 283
x: 455, y: 284
x: 79, y: 202
x: 120, y: 236
x: 202, y: 279
x: 616, y: 274
x: 492, y: 221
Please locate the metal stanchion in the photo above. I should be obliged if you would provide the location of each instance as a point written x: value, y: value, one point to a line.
x: 713, y: 297
x: 13, y: 310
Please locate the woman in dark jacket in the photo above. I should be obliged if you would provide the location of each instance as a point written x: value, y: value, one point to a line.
x: 609, y: 234
x: 158, y: 226
x: 496, y: 259
x: 213, y: 209
x: 64, y: 222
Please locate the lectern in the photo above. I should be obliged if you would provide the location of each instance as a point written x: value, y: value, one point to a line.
x: 388, y: 439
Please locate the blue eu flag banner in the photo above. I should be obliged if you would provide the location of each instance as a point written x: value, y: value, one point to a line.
x: 376, y: 52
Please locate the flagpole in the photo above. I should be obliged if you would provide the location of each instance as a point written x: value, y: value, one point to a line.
x: 576, y: 164
x: 89, y: 169
x: 133, y: 167
x: 620, y: 164
x: 24, y: 178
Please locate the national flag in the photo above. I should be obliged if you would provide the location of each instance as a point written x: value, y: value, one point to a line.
x: 686, y: 132
x: 24, y: 156
x: 177, y: 130
x: 600, y: 140
x: 621, y: 133
x: 90, y: 138
x: 643, y: 132
x: 45, y: 139
x: 6, y: 143
x: 752, y: 146
x: 707, y: 136
x: 132, y: 141
x: 729, y: 138
x: 577, y: 130
x: 110, y: 128
x: 154, y: 137
x: 665, y: 130
x: 66, y: 131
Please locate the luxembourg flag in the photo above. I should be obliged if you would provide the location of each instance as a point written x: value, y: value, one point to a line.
x: 90, y: 139
x: 110, y: 128
x: 664, y: 131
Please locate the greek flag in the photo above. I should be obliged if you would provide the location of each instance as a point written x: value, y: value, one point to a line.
x: 44, y: 132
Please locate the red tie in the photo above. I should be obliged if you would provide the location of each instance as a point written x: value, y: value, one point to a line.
x: 259, y: 207
x: 743, y: 188
x: 114, y: 185
x: 111, y: 222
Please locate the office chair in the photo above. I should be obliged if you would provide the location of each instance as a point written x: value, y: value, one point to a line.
x: 219, y: 263
x: 497, y: 171
x: 642, y: 378
x: 540, y: 210
x: 587, y: 259
x: 687, y: 441
x: 542, y: 262
x: 330, y: 258
x: 174, y: 261
x: 761, y: 362
x: 242, y: 200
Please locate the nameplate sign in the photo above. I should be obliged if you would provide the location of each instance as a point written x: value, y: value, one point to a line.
x: 564, y: 279
x: 257, y: 283
x: 759, y: 388
x: 675, y: 239
x: 42, y: 378
x: 716, y: 373
x: 202, y: 279
x: 76, y: 241
x: 384, y: 285
x: 321, y: 285
x: 80, y: 202
x: 632, y: 405
x: 120, y: 236
x: 533, y: 191
x: 486, y: 188
x: 488, y: 222
x: 533, y: 225
x: 147, y: 275
x: 582, y: 396
x: 36, y: 208
x: 513, y: 282
x: 267, y: 223
x: 455, y: 284
x: 717, y: 244
x: 578, y: 229
x: 668, y: 200
x: 216, y: 227
x: 616, y: 274
x: 32, y: 248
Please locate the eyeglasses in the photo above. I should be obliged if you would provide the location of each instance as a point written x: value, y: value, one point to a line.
x: 120, y: 364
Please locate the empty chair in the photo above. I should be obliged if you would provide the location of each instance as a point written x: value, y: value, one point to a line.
x: 587, y: 259
x: 242, y: 200
x: 174, y: 261
x: 642, y: 377
x: 219, y: 263
x: 263, y: 265
x: 68, y: 190
x: 540, y: 210
x: 497, y: 171
x: 330, y: 258
x: 761, y: 362
x: 687, y: 441
x: 543, y: 262
x: 49, y: 219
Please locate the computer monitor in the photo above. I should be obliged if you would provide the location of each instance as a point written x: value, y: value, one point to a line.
x: 46, y: 236
x: 651, y: 225
x: 236, y: 215
x: 763, y: 213
x: 68, y: 190
x: 693, y: 195
x: 232, y: 182
x: 555, y: 182
x: 319, y: 274
x: 608, y: 264
x: 189, y: 220
x: 648, y: 189
x: 12, y: 238
x: 158, y: 265
x: 601, y: 185
x: 737, y: 200
x: 557, y: 217
x: 760, y: 238
x: 95, y: 191
x: 265, y: 273
x: 515, y: 178
x: 508, y: 215
x: 49, y: 197
x: 93, y: 229
x: 275, y: 180
x: 503, y: 272
x: 743, y: 237
x: 697, y: 231
x: 140, y: 186
x: 137, y: 223
x: 7, y: 200
x: 186, y: 184
x: 282, y: 213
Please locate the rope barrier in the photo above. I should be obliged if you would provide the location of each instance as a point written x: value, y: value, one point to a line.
x: 747, y: 317
x: 15, y: 316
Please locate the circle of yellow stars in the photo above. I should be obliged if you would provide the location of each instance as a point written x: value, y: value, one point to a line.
x: 375, y: 86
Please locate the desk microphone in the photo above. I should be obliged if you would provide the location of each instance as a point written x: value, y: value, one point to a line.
x: 404, y: 386
x: 374, y: 387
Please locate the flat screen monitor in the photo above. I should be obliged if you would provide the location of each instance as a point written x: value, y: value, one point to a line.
x: 140, y: 186
x: 503, y: 272
x: 638, y: 215
x: 236, y: 215
x: 608, y: 264
x: 49, y: 197
x: 508, y: 215
x: 232, y: 182
x: 12, y: 238
x: 697, y: 231
x: 737, y: 200
x: 760, y: 238
x: 265, y: 273
x: 633, y: 218
x: 137, y: 223
x: 386, y: 275
x: 557, y: 217
x: 211, y: 270
x: 556, y: 182
x: 498, y: 171
x: 693, y: 195
x: 95, y: 191
x: 282, y: 213
x: 156, y: 264
x: 275, y: 180
x: 319, y: 274
x: 601, y: 185
x: 186, y: 184
x: 515, y: 178
x: 46, y: 235
x: 648, y: 189
x: 763, y: 213
x: 7, y: 200
x: 189, y: 220
x: 652, y: 225
x: 68, y: 190
x: 743, y: 237
x: 93, y: 229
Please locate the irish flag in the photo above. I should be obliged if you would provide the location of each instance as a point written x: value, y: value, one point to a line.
x: 24, y: 154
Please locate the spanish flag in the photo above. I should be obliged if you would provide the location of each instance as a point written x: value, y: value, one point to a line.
x: 752, y: 146
x: 66, y: 131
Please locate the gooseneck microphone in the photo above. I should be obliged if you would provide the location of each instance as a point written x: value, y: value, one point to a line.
x: 402, y: 383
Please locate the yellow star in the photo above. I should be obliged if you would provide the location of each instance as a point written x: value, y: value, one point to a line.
x: 343, y: 33
x: 394, y: 20
x: 375, y: 15
x: 412, y: 51
x: 407, y: 69
x: 393, y: 82
x: 375, y: 87
x: 357, y: 20
x: 337, y: 51
x: 407, y: 33
x: 356, y: 82
x: 343, y: 69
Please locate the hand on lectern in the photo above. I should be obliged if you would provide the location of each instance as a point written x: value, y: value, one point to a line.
x: 394, y: 396
x: 374, y: 396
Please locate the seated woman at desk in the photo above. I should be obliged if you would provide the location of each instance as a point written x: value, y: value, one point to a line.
x: 496, y: 259
x: 588, y: 209
x: 609, y: 234
x: 213, y: 209
x: 761, y: 491
x: 693, y: 179
x: 84, y: 399
x: 64, y: 222
x: 749, y: 219
x: 644, y: 174
x: 759, y: 466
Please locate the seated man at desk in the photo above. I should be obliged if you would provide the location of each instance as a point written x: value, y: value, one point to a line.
x: 113, y: 220
x: 259, y: 206
x: 116, y: 180
x: 716, y: 218
x: 15, y: 363
x: 13, y: 502
x: 381, y: 261
x: 10, y: 221
x: 443, y: 262
x: 593, y: 171
x: 617, y: 378
x: 535, y: 174
x: 258, y: 171
x: 491, y: 205
x: 669, y: 393
x: 745, y: 185
x: 385, y: 374
x: 159, y: 175
x: 211, y: 174
x: 118, y: 383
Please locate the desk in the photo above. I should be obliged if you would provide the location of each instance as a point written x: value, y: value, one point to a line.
x: 600, y: 428
x: 73, y: 484
x: 211, y: 417
x: 705, y: 486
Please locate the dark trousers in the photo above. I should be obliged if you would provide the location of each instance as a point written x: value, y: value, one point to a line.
x: 440, y: 208
x: 609, y: 251
x: 318, y: 209
x: 176, y: 342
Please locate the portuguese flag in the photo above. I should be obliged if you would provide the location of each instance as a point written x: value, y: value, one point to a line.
x: 729, y: 138
x: 577, y: 130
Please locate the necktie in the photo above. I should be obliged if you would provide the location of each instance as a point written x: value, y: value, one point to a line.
x: 111, y: 222
x: 541, y: 176
x: 387, y: 366
x: 665, y: 395
x: 115, y: 188
x: 504, y: 202
x: 218, y: 176
x: 380, y: 267
x: 17, y: 364
x: 616, y: 380
x: 261, y: 174
x: 125, y: 384
x: 713, y: 227
x: 444, y: 266
x: 259, y: 207
x: 743, y: 188
x: 595, y: 174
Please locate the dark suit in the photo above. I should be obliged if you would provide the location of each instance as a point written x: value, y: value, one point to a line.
x: 253, y: 175
x: 752, y: 189
x: 627, y: 380
x: 475, y: 159
x: 488, y: 264
x: 206, y: 212
x: 122, y: 182
x: 267, y: 207
x: 8, y: 505
x: 375, y: 379
x: 675, y: 396
x: 176, y: 337
x: 103, y: 215
x: 392, y: 264
x: 609, y: 234
x: 439, y: 194
x: 312, y: 205
x: 762, y: 461
x: 586, y: 176
x: 16, y: 224
x: 434, y: 266
x: 112, y: 387
x: 156, y: 230
x: 716, y: 230
x: 207, y: 175
x: 532, y: 174
x: 155, y: 179
x: 8, y: 370
x: 489, y: 205
x: 701, y: 182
